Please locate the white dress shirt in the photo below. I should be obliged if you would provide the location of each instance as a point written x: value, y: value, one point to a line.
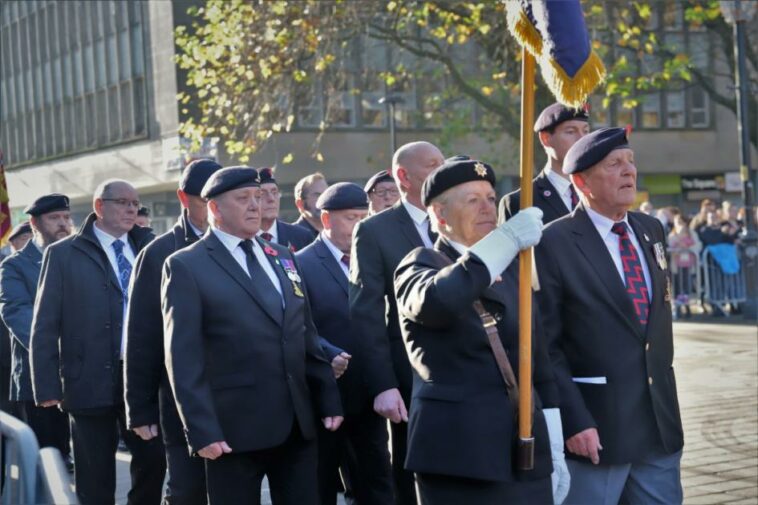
x: 197, y: 231
x: 336, y: 253
x: 603, y: 226
x: 106, y: 242
x: 561, y: 185
x: 232, y: 243
x: 420, y: 220
x: 273, y: 231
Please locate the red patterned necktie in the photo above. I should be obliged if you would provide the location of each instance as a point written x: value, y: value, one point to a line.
x: 345, y: 260
x: 633, y: 275
x: 574, y: 197
x: 267, y: 236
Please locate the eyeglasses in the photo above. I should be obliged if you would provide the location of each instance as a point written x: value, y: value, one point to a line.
x: 381, y: 193
x: 123, y: 202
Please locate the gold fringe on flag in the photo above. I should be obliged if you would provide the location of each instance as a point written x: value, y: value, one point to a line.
x: 573, y: 91
x: 522, y: 28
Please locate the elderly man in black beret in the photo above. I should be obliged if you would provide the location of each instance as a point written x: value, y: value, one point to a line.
x: 50, y: 220
x: 382, y: 192
x: 149, y: 401
x: 242, y: 354
x: 463, y: 414
x: 361, y: 444
x: 558, y: 127
x: 605, y: 298
x: 78, y: 339
x: 20, y: 235
x: 272, y: 228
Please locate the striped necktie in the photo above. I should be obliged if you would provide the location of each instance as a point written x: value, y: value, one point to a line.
x: 124, y: 268
x: 633, y: 275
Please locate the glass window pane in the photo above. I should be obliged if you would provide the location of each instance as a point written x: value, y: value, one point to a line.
x: 598, y: 113
x: 675, y: 109
x: 125, y: 66
x: 672, y: 15
x: 699, y: 50
x: 100, y: 63
x: 651, y: 111
x: 77, y: 73
x: 89, y: 68
x: 138, y: 56
x: 699, y: 110
x: 625, y: 116
x: 112, y: 60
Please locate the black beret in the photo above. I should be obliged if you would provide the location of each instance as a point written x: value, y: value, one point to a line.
x: 20, y: 229
x: 196, y: 174
x: 48, y: 203
x: 454, y: 172
x: 459, y: 157
x: 228, y: 179
x: 143, y: 211
x: 341, y: 196
x: 267, y: 175
x: 382, y: 176
x: 557, y: 113
x: 592, y: 148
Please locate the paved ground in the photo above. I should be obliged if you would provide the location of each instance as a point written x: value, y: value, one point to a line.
x: 717, y: 373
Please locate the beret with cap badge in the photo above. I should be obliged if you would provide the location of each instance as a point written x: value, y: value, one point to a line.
x: 228, y: 179
x: 454, y: 172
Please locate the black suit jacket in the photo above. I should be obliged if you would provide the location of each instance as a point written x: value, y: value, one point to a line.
x: 461, y: 421
x: 292, y: 236
x: 78, y: 318
x: 593, y: 331
x: 327, y: 287
x: 380, y: 242
x: 238, y: 373
x: 305, y: 225
x: 146, y: 389
x: 546, y: 198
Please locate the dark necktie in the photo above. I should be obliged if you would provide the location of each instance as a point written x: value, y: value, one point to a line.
x: 432, y: 235
x: 574, y: 197
x: 633, y: 274
x: 261, y: 281
x: 267, y: 236
x: 345, y: 260
x: 124, y: 268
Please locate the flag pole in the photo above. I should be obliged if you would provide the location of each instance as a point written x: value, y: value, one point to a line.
x: 526, y: 439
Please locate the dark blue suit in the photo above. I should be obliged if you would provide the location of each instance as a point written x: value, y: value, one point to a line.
x: 19, y: 274
x: 291, y: 236
x: 362, y: 440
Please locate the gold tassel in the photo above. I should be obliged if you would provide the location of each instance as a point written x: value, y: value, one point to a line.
x: 523, y: 29
x: 573, y: 91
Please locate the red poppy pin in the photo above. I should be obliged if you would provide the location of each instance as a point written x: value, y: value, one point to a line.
x: 270, y: 251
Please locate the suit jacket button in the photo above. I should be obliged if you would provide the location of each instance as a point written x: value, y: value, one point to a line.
x: 289, y: 377
x: 650, y: 380
x: 647, y: 346
x: 107, y: 326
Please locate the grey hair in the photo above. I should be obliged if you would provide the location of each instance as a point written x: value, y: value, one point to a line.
x: 406, y: 152
x: 105, y: 188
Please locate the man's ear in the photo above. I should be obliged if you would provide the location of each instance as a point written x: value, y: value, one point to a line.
x: 326, y: 220
x: 545, y: 138
x: 402, y: 176
x: 580, y: 183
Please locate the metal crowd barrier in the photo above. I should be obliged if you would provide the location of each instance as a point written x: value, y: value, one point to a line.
x: 686, y: 282
x: 719, y: 288
x: 31, y: 476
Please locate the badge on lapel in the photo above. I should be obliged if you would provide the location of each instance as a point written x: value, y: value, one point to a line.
x: 292, y: 275
x: 667, y: 295
x: 660, y: 255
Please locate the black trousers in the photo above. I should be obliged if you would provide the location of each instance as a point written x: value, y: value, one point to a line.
x: 447, y: 490
x: 186, y: 478
x: 49, y: 425
x: 95, y: 434
x: 360, y: 444
x: 405, y: 491
x: 235, y: 478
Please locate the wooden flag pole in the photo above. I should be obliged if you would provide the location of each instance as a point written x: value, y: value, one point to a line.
x: 526, y: 440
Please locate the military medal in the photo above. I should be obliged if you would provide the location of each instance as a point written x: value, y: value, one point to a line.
x: 292, y: 275
x: 647, y: 239
x: 660, y: 255
x: 667, y: 296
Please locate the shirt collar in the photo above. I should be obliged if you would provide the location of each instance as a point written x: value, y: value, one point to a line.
x: 462, y: 249
x: 603, y: 224
x: 560, y: 184
x: 418, y: 215
x: 106, y: 239
x: 271, y: 230
x: 332, y: 248
x: 231, y: 242
x: 197, y: 231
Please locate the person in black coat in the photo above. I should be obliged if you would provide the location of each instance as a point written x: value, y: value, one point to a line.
x: 242, y: 354
x: 557, y: 128
x: 379, y: 243
x: 462, y: 423
x: 362, y: 440
x: 605, y: 300
x: 147, y: 393
x: 19, y: 275
x: 307, y: 191
x: 273, y: 229
x: 77, y: 345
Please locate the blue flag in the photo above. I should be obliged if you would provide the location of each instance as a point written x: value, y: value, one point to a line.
x: 555, y: 33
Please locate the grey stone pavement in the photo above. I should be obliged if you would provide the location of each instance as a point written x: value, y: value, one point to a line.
x: 717, y: 377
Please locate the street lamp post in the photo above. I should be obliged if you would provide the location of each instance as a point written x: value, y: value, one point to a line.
x: 391, y: 101
x: 738, y: 13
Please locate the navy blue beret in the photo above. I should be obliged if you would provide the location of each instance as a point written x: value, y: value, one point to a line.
x: 341, y: 196
x: 20, y: 229
x: 48, y: 203
x: 381, y: 176
x: 454, y: 172
x: 228, y: 179
x: 267, y: 175
x: 557, y: 113
x: 592, y: 148
x: 143, y: 211
x: 196, y: 174
x: 459, y: 157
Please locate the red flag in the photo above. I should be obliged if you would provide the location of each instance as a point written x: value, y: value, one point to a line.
x: 5, y: 211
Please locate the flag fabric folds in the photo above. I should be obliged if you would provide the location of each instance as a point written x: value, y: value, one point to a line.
x: 5, y: 211
x: 555, y: 33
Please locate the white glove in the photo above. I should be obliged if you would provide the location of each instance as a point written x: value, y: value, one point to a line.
x: 498, y: 248
x: 560, y: 477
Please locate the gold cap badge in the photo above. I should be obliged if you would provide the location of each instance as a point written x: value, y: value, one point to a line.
x: 480, y: 169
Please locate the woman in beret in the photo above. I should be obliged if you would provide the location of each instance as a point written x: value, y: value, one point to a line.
x: 462, y: 424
